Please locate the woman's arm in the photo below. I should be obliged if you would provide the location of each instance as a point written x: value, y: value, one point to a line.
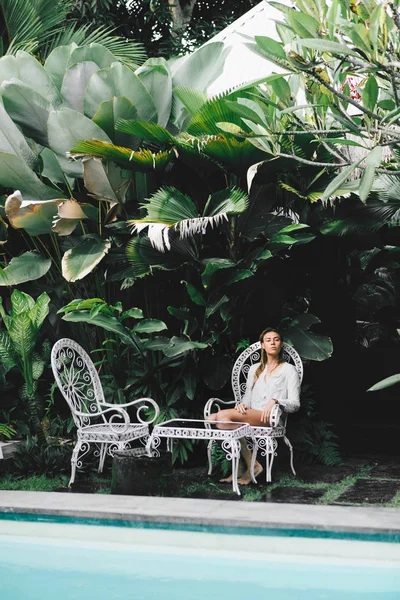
x: 291, y: 403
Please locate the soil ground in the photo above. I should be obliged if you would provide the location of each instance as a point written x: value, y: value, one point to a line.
x: 359, y: 481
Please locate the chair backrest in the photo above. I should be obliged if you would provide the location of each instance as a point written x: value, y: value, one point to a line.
x: 252, y: 355
x: 77, y: 379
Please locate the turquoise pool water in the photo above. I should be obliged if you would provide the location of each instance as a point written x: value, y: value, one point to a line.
x: 44, y: 561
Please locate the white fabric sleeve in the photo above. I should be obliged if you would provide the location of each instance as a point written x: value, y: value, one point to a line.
x: 246, y: 398
x: 291, y: 403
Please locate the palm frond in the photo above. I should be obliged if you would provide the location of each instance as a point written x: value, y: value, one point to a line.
x: 235, y: 155
x: 212, y: 112
x: 387, y: 188
x: 29, y: 23
x: 140, y: 160
x: 169, y: 208
x: 365, y: 219
x: 132, y: 54
x: 144, y: 258
x: 192, y: 99
x: 150, y: 132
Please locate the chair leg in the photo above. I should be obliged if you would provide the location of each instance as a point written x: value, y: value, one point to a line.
x: 291, y: 454
x: 74, y: 460
x: 209, y: 454
x: 103, y: 453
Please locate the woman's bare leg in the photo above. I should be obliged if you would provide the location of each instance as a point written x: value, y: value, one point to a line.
x: 253, y: 418
x: 247, y: 455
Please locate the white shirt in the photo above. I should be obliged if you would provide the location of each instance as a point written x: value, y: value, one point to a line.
x: 284, y: 387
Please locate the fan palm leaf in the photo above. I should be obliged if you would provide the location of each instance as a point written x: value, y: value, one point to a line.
x: 132, y: 54
x: 144, y: 258
x: 234, y: 155
x: 215, y: 111
x: 41, y: 24
x: 141, y: 160
x: 28, y: 23
x: 169, y: 208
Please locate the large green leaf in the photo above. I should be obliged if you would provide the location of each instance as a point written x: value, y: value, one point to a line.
x: 74, y: 83
x: 113, y: 111
x: 41, y: 309
x: 36, y: 217
x: 304, y: 25
x: 15, y: 174
x: 66, y: 127
x: 56, y: 63
x: 336, y: 183
x: 372, y: 162
x: 51, y: 168
x: 27, y: 267
x: 23, y: 335
x: 95, y: 53
x: 327, y: 46
x: 271, y: 48
x: 27, y: 69
x: 157, y: 79
x: 178, y: 346
x: 82, y: 258
x: 149, y: 326
x: 370, y: 93
x: 12, y: 141
x: 97, y: 181
x: 28, y: 109
x: 7, y: 355
x: 119, y: 80
x: 197, y: 71
x: 214, y: 267
x: 309, y: 345
x: 21, y: 302
x: 385, y: 383
x: 107, y: 322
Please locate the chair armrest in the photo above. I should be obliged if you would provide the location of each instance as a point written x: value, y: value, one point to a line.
x: 123, y: 415
x: 215, y: 403
x: 144, y: 402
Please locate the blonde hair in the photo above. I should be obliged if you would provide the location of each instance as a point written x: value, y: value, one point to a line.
x: 264, y: 357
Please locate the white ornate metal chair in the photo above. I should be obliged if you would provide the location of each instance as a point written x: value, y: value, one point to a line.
x: 98, y: 422
x: 266, y: 437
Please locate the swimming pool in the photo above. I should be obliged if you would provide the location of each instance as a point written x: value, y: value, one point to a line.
x: 60, y: 558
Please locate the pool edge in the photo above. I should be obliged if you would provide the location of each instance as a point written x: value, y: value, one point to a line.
x: 194, y: 513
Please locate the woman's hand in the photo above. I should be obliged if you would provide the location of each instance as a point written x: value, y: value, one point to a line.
x: 266, y: 413
x: 242, y: 408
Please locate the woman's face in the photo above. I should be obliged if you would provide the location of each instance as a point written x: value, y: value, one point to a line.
x: 272, y: 343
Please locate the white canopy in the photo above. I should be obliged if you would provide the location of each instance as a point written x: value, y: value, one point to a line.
x: 242, y: 65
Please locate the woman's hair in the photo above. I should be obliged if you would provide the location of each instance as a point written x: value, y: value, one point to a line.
x: 263, y: 360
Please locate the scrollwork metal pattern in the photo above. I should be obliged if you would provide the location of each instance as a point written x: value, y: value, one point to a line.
x: 97, y: 422
x: 266, y: 437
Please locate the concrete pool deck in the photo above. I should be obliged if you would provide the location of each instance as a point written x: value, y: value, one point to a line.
x: 195, y: 512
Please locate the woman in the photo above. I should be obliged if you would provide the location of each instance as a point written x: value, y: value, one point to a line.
x: 271, y: 381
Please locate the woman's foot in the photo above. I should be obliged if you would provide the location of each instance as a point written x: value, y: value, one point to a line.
x: 226, y: 479
x: 246, y: 478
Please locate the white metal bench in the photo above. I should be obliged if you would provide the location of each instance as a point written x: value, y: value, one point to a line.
x: 98, y: 422
x: 266, y: 437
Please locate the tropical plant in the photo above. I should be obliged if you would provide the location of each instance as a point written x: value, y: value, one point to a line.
x: 18, y: 342
x: 7, y: 431
x: 312, y: 436
x: 41, y: 26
